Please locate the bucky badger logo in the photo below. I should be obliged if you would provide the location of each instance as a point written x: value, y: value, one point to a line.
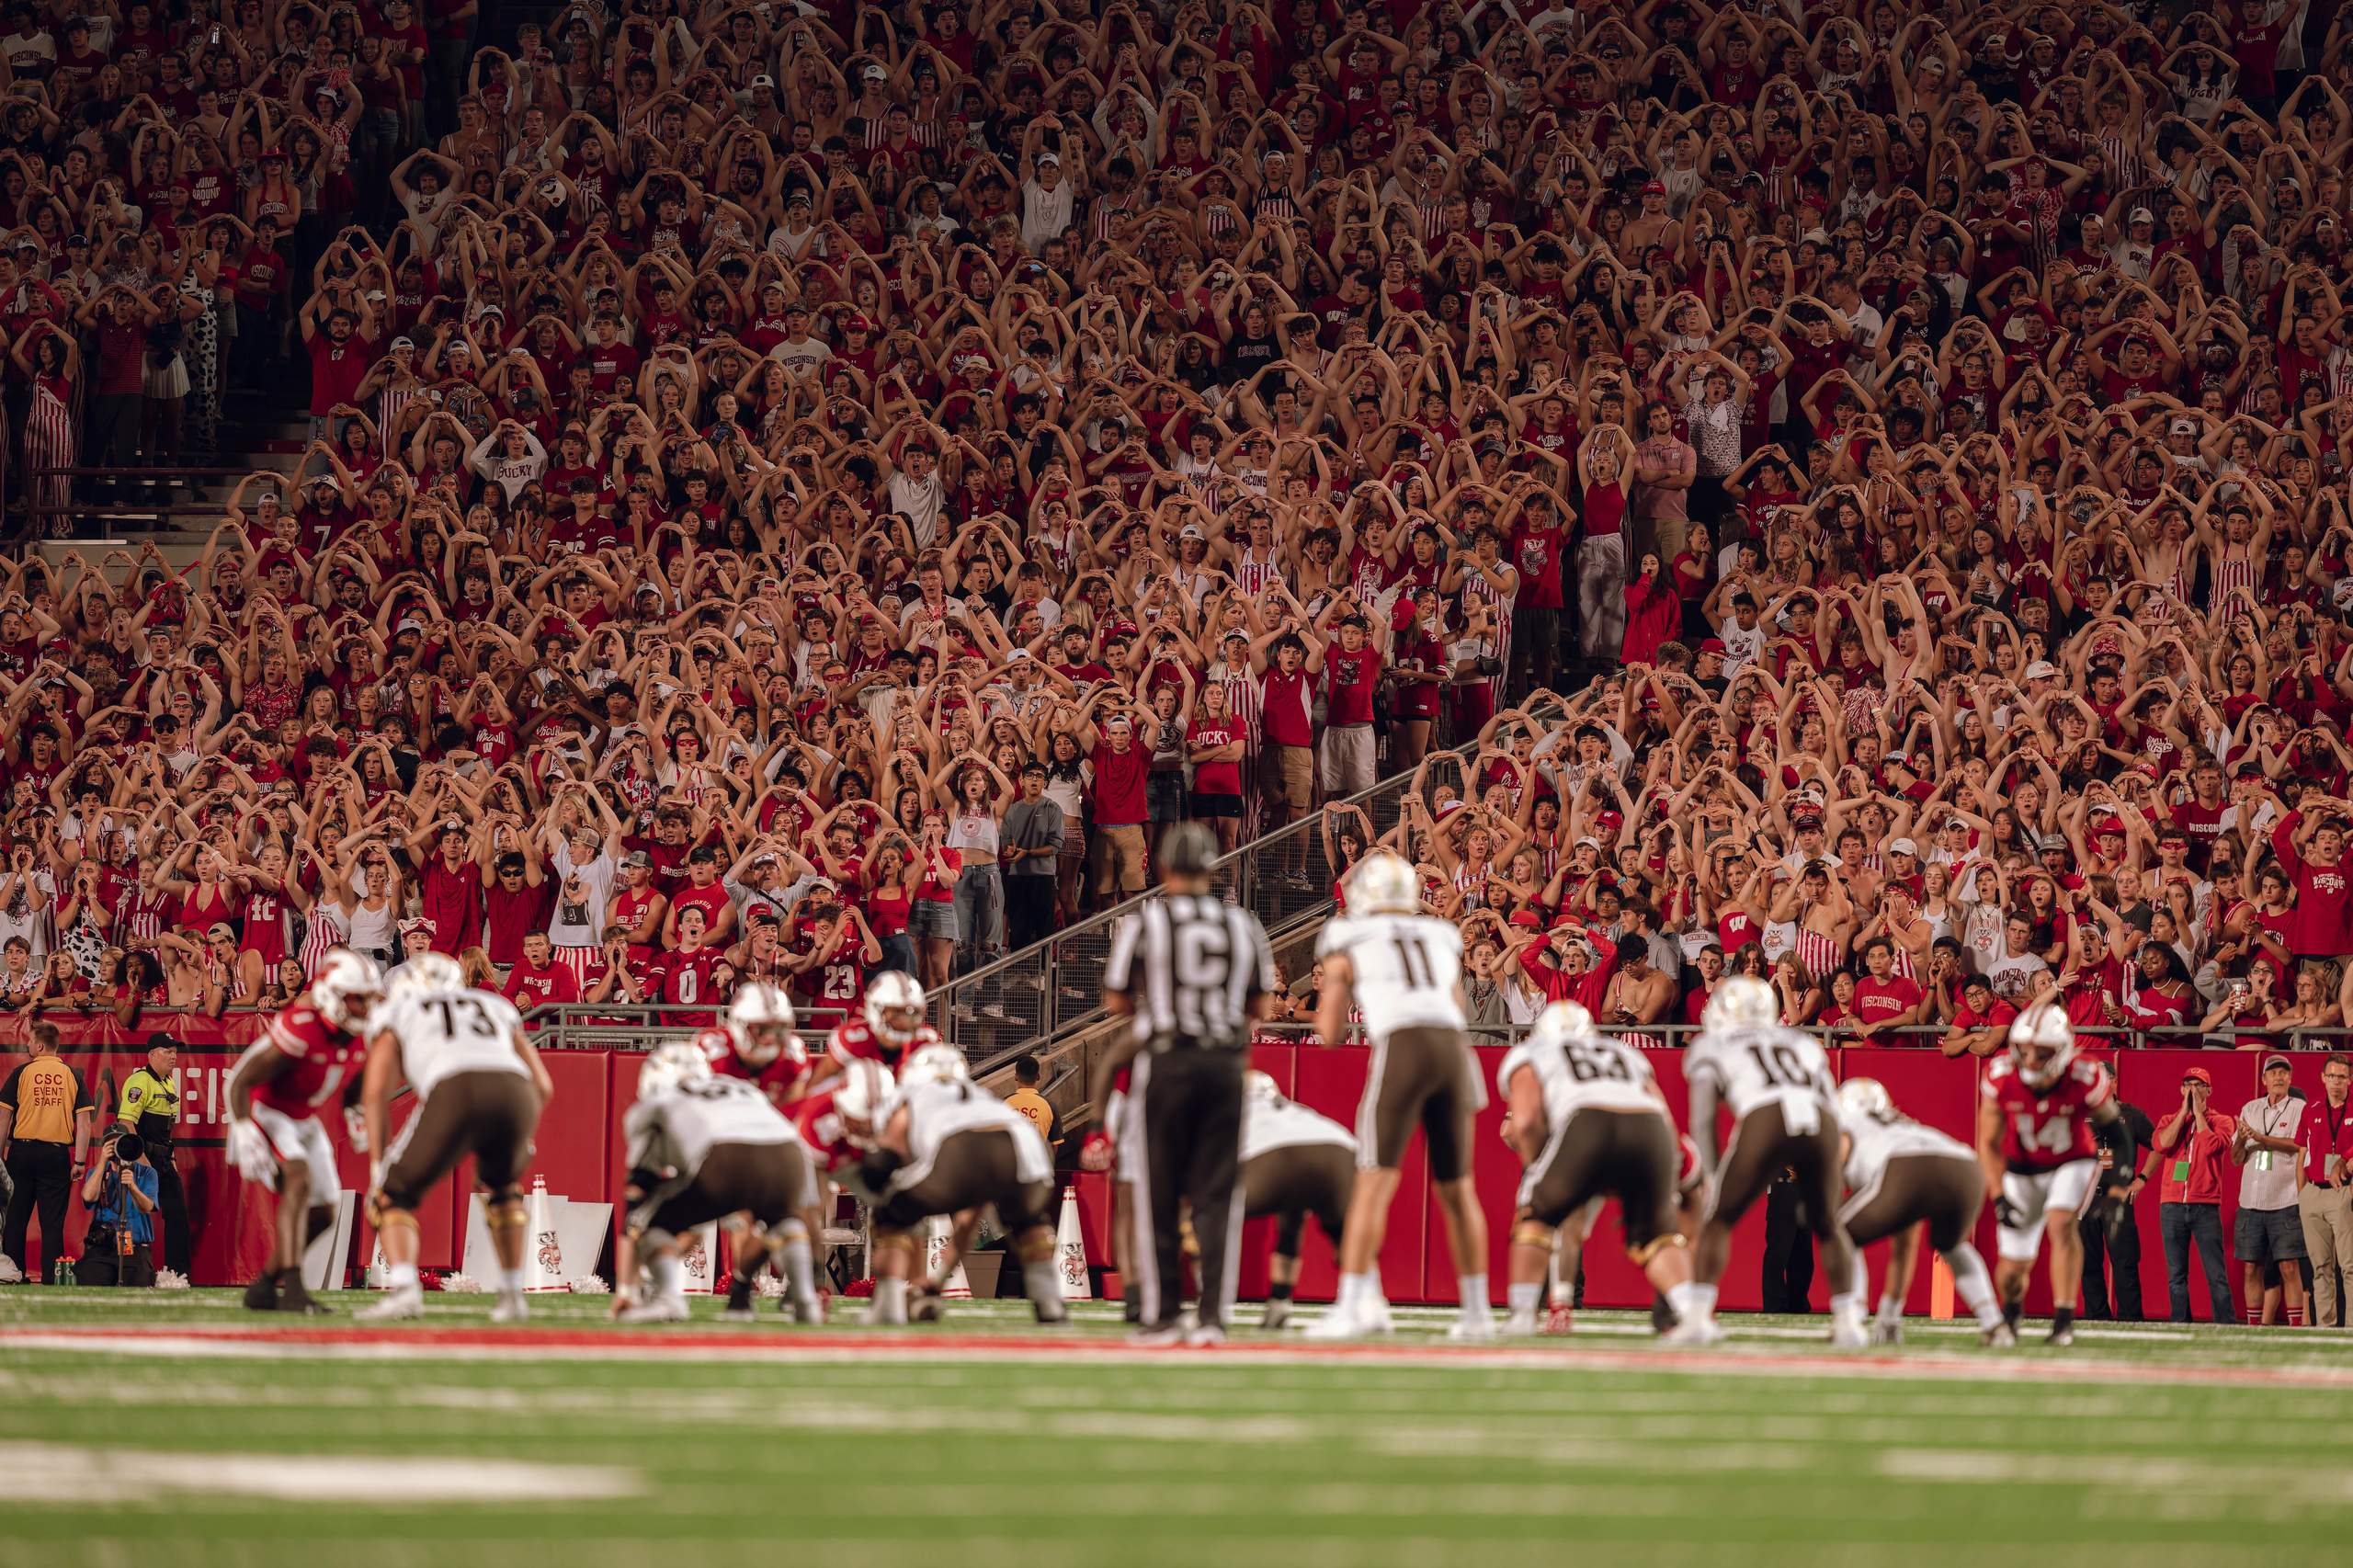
x: 551, y: 1254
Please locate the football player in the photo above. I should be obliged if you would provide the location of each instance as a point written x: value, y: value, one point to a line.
x: 481, y: 1089
x: 1784, y: 1115
x: 1901, y: 1175
x: 889, y: 1026
x: 2038, y: 1111
x: 703, y: 1148
x: 305, y: 1058
x: 758, y: 1043
x: 947, y: 1148
x: 1587, y: 1118
x: 1402, y: 969
x: 1295, y: 1163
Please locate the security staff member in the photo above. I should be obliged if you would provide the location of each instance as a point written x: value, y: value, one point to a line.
x: 1193, y: 972
x: 45, y: 1123
x: 151, y: 1109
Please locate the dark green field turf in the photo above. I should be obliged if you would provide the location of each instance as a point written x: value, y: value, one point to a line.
x: 151, y: 1445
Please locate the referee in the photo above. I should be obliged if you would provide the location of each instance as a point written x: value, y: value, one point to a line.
x: 1193, y: 972
x: 150, y: 1109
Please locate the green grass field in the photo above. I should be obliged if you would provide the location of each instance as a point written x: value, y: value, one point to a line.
x: 153, y: 1430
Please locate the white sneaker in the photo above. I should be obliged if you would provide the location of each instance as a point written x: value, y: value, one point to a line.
x: 1520, y: 1325
x: 1277, y: 1315
x: 1376, y: 1316
x: 661, y: 1309
x: 2001, y: 1336
x: 399, y: 1304
x: 1887, y: 1332
x: 1338, y: 1323
x: 1848, y: 1337
x: 511, y: 1308
x: 1695, y: 1332
x: 1157, y: 1335
x: 1472, y: 1328
x: 1205, y: 1337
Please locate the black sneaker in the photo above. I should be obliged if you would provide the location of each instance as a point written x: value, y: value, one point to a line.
x: 739, y: 1294
x: 293, y: 1298
x: 261, y: 1296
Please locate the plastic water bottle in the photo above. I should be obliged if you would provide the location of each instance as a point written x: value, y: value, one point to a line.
x: 65, y: 1273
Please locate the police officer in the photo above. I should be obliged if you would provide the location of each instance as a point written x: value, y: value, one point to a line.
x: 1193, y: 972
x: 151, y: 1109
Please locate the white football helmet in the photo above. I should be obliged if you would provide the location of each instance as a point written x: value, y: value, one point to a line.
x: 427, y: 971
x: 1562, y: 1023
x: 1866, y: 1099
x: 2043, y: 1042
x: 1383, y: 883
x: 671, y: 1064
x: 935, y: 1065
x: 760, y: 1022
x: 1257, y: 1086
x: 348, y: 984
x: 1741, y: 1002
x: 894, y: 1006
x: 860, y: 1095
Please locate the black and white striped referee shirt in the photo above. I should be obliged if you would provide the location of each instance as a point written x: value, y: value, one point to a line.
x: 1192, y: 964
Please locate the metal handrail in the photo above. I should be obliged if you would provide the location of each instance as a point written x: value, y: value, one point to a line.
x: 40, y: 511
x: 591, y: 1026
x: 2175, y: 1036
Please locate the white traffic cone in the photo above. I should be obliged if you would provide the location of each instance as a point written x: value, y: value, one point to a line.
x: 935, y: 1237
x: 543, y: 1267
x: 1070, y: 1251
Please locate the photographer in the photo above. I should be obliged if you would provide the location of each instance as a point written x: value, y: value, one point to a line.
x: 120, y: 1190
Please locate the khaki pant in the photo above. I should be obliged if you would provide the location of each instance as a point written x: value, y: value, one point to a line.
x: 2327, y: 1213
x: 1118, y: 858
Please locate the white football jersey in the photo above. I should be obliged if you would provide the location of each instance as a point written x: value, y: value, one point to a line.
x: 1875, y: 1140
x: 937, y: 1112
x: 1270, y: 1123
x: 1753, y: 1066
x: 1407, y: 967
x: 445, y: 1032
x: 1602, y: 1072
x: 677, y: 1130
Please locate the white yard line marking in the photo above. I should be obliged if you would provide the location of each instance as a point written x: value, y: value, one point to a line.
x: 76, y: 1475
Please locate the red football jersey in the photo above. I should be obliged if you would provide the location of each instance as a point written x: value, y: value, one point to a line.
x: 320, y: 1057
x: 2044, y: 1128
x: 821, y: 1130
x: 780, y: 1080
x: 854, y: 1038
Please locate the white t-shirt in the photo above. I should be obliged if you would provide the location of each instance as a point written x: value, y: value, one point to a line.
x: 2268, y: 1180
x: 581, y: 923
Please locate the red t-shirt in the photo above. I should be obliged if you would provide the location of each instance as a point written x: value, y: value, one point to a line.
x: 1877, y: 1001
x: 1283, y: 713
x: 338, y: 368
x: 1348, y: 683
x: 1118, y: 785
x: 2191, y: 1171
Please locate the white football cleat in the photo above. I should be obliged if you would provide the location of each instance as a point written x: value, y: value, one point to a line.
x: 661, y: 1309
x: 811, y: 1311
x: 1158, y: 1335
x: 1521, y: 1325
x: 1848, y: 1337
x: 399, y: 1305
x: 1205, y: 1337
x: 1277, y: 1315
x: 1472, y: 1328
x: 2001, y: 1336
x: 1338, y: 1323
x: 739, y: 1314
x: 1887, y: 1332
x: 511, y: 1308
x: 1698, y: 1331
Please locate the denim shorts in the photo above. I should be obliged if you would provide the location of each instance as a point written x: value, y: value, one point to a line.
x: 934, y: 918
x: 2269, y: 1235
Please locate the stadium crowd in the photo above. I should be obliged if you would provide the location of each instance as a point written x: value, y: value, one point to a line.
x: 798, y: 491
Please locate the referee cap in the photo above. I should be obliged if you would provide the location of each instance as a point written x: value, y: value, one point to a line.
x: 1186, y: 849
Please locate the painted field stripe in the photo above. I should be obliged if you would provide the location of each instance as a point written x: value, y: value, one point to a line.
x: 200, y: 1340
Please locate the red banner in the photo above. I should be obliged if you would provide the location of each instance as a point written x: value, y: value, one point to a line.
x: 579, y: 1156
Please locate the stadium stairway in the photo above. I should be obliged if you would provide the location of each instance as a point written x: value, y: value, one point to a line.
x: 1047, y: 1000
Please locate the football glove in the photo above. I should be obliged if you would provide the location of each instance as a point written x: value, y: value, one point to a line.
x: 1095, y: 1154
x: 357, y: 1125
x: 2008, y: 1215
x: 249, y: 1150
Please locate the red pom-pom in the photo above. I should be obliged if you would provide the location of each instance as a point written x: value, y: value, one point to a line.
x: 860, y: 1289
x: 430, y: 1278
x: 724, y: 1283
